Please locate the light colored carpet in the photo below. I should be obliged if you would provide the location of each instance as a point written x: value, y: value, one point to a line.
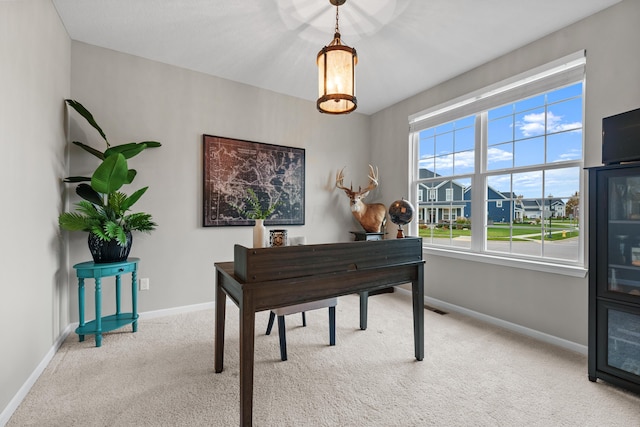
x: 473, y: 374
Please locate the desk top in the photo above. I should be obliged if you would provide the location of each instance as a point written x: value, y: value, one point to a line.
x: 265, y: 264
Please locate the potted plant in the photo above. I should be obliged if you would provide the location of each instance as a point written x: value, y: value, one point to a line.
x: 254, y: 210
x: 104, y: 210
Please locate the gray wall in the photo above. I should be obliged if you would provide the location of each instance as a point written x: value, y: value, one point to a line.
x: 550, y: 303
x: 34, y: 80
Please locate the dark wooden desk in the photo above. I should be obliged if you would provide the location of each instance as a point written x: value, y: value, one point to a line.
x: 262, y: 279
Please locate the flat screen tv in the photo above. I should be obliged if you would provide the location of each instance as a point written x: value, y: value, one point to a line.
x: 621, y: 138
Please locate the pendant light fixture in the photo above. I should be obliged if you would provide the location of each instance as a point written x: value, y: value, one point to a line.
x: 336, y: 74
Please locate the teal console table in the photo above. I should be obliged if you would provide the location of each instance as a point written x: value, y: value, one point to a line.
x: 92, y: 270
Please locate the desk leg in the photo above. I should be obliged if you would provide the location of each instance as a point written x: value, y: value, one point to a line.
x: 221, y: 304
x: 98, y: 297
x: 417, y: 288
x: 364, y: 306
x: 247, y: 332
x: 134, y: 299
x: 81, y: 305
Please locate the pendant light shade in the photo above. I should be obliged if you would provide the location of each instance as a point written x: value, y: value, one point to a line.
x: 336, y: 75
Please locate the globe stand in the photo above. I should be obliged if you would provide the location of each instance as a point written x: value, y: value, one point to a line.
x: 400, y: 234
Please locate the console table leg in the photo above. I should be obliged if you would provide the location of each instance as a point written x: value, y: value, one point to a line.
x: 134, y: 299
x: 81, y: 305
x: 118, y: 288
x: 98, y: 297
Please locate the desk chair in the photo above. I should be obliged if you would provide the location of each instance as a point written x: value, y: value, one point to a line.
x: 301, y: 308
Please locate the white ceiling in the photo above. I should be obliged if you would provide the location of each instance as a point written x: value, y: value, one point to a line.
x: 404, y: 46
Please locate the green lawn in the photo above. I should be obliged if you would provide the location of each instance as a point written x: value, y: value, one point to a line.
x: 501, y: 231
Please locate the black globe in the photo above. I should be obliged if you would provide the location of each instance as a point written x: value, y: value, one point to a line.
x: 401, y: 212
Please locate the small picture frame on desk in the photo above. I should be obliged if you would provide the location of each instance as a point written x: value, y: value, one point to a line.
x: 635, y: 256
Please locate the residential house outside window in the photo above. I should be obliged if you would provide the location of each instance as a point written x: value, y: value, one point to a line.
x: 507, y: 165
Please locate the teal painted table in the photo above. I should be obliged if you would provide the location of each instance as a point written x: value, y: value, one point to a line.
x: 91, y: 270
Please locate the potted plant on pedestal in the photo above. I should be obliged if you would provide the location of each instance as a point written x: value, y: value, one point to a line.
x: 104, y: 210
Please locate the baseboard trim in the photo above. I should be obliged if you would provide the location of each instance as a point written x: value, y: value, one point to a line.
x: 24, y: 390
x: 540, y: 336
x: 177, y: 310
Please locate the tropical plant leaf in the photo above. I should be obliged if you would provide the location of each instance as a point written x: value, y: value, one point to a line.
x: 129, y: 201
x: 131, y: 173
x: 86, y: 192
x: 127, y: 150
x: 99, y: 154
x: 114, y: 206
x: 100, y: 233
x: 151, y: 144
x: 110, y: 175
x: 88, y: 117
x: 140, y: 222
x: 74, y: 221
x: 77, y: 179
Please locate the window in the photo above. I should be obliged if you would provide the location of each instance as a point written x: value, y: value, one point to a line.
x: 449, y: 194
x: 510, y: 162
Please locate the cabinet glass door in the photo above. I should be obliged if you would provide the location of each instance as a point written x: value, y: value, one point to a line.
x: 621, y: 324
x: 624, y: 235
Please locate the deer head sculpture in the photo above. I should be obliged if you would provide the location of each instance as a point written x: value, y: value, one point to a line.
x: 371, y: 216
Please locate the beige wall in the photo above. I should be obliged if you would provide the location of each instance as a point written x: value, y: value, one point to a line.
x: 550, y: 303
x: 34, y: 80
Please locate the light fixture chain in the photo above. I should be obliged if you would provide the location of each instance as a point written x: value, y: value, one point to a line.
x: 337, y: 29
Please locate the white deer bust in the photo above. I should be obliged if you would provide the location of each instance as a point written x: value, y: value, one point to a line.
x: 371, y: 216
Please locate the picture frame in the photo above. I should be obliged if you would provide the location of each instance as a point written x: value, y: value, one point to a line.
x: 635, y: 256
x: 275, y: 173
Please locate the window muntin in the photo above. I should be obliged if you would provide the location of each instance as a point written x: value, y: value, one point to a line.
x: 532, y: 168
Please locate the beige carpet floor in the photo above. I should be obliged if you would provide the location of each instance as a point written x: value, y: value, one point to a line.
x: 473, y: 374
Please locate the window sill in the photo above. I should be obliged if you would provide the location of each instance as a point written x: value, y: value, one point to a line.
x: 547, y: 267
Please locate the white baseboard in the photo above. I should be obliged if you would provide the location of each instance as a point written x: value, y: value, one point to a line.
x: 22, y: 393
x: 541, y: 336
x: 177, y: 310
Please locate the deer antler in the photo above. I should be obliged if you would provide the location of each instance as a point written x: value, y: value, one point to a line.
x: 340, y: 179
x: 373, y: 180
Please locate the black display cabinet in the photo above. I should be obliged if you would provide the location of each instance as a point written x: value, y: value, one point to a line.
x: 614, y: 275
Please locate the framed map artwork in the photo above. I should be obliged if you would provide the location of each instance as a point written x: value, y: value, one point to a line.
x: 231, y: 166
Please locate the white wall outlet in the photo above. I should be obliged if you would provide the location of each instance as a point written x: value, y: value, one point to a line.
x: 144, y: 284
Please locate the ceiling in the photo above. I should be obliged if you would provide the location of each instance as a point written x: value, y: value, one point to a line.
x: 404, y: 46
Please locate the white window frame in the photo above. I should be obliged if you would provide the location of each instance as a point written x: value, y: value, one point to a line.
x: 564, y: 71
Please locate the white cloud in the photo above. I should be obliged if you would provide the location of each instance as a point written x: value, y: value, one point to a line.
x: 534, y: 124
x: 497, y: 155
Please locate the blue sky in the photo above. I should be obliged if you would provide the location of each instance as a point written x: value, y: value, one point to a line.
x: 546, y: 128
